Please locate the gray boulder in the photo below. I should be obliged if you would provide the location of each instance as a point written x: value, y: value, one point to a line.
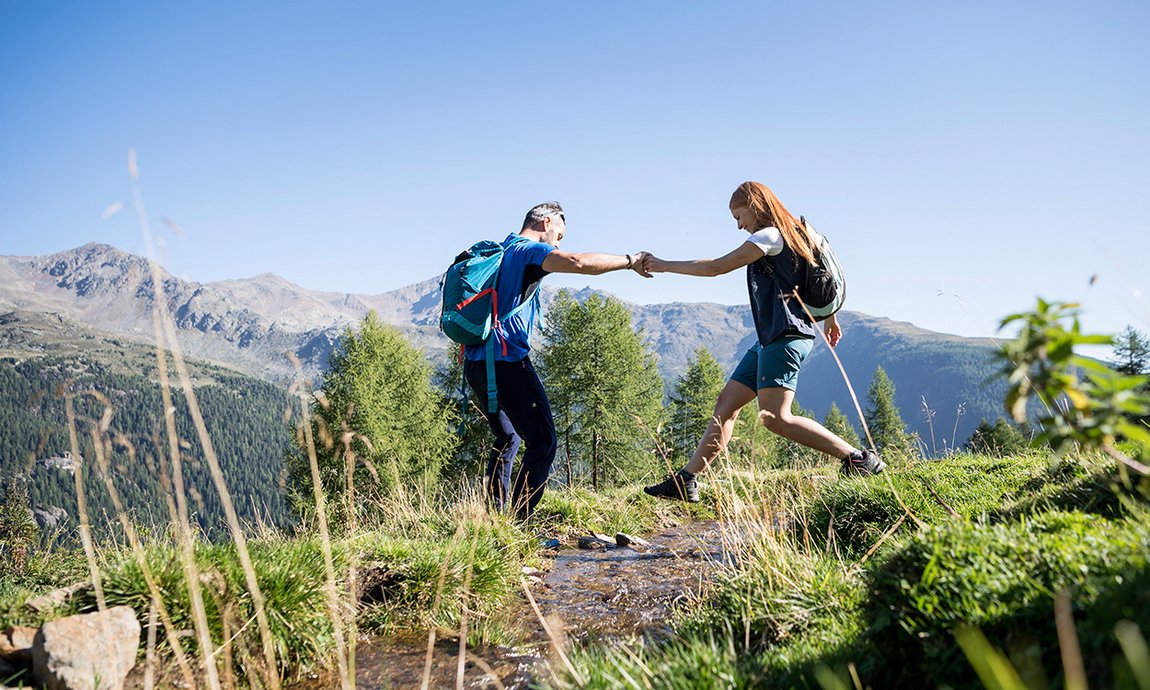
x: 93, y: 651
x: 50, y: 517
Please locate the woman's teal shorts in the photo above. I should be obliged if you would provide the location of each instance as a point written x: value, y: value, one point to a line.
x: 775, y: 365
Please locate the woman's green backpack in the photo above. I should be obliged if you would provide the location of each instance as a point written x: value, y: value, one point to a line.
x: 824, y: 290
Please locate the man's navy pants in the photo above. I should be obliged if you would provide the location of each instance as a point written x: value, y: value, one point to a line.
x: 524, y: 413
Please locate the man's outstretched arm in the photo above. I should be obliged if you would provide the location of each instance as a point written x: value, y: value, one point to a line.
x: 592, y: 263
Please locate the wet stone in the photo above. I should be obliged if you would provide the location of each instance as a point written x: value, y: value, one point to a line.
x: 624, y: 539
x: 592, y: 542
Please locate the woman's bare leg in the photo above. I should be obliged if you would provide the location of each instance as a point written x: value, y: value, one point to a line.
x: 775, y: 414
x: 733, y: 398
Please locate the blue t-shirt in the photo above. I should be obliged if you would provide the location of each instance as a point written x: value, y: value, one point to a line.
x: 519, y: 277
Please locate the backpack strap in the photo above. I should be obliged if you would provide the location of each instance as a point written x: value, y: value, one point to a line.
x: 497, y: 330
x: 492, y: 394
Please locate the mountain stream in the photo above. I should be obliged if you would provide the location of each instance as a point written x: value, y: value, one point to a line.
x: 603, y: 592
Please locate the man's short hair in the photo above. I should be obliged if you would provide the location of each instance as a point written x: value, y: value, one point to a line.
x: 541, y: 211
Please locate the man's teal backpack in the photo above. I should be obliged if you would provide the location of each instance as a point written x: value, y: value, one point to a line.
x: 470, y: 313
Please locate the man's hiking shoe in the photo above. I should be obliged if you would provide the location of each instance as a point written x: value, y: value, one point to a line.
x: 678, y: 486
x: 862, y: 464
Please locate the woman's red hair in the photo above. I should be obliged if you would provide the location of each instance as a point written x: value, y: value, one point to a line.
x: 769, y: 211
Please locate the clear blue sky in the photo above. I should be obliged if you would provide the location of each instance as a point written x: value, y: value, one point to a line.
x: 963, y: 157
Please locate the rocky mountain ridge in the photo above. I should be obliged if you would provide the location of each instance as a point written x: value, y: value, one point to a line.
x: 253, y: 324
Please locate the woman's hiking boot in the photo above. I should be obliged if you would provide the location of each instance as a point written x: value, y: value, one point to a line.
x: 862, y: 463
x: 681, y: 486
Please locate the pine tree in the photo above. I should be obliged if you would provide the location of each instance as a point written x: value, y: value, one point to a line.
x: 693, y: 401
x: 837, y: 423
x: 1000, y: 438
x: 377, y: 412
x: 605, y: 391
x: 886, y: 425
x: 1131, y: 353
x: 18, y: 528
x: 465, y: 418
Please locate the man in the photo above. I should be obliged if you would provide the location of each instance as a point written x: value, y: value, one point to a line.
x: 524, y: 412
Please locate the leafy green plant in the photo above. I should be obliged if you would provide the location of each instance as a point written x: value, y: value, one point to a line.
x: 1088, y: 404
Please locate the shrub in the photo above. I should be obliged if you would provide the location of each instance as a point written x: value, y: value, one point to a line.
x: 1002, y: 578
x: 291, y: 578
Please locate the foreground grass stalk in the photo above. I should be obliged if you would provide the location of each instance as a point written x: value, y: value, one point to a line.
x: 551, y: 635
x: 82, y: 504
x: 150, y: 652
x: 353, y: 566
x: 463, y: 614
x: 426, y: 683
x: 993, y: 669
x: 486, y: 668
x: 184, y: 528
x: 1136, y: 650
x: 158, y: 607
x: 1068, y: 643
x: 333, y: 599
x: 237, y: 533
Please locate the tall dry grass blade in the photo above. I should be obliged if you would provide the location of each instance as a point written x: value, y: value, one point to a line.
x: 1126, y: 459
x: 486, y: 668
x: 958, y: 413
x: 426, y: 683
x: 991, y: 665
x: 353, y: 565
x: 929, y: 414
x: 938, y: 499
x: 82, y: 504
x: 463, y: 614
x: 150, y: 651
x: 333, y: 598
x: 187, y: 547
x: 550, y: 635
x: 828, y: 680
x: 1072, y: 665
x: 158, y: 608
x: 1136, y: 650
x: 886, y: 535
x: 855, y: 675
x: 236, y: 530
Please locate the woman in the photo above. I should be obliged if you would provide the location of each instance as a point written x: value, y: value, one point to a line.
x: 777, y: 254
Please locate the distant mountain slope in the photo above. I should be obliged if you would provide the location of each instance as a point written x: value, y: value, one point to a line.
x: 252, y: 324
x: 248, y: 324
x: 942, y: 371
x: 42, y: 357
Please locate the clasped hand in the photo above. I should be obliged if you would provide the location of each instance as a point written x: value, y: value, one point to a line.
x: 647, y: 263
